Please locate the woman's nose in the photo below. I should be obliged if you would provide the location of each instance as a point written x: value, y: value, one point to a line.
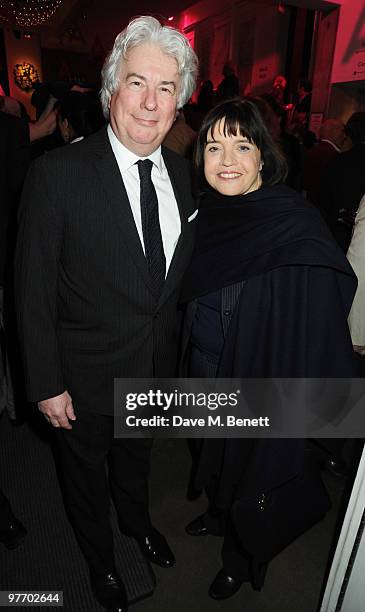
x: 228, y: 158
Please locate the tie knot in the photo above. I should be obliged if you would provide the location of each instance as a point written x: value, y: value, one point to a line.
x: 144, y: 168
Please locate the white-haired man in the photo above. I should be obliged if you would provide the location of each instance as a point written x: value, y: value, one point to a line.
x: 104, y: 240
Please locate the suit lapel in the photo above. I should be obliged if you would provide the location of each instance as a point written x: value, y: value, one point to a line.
x: 110, y: 178
x: 107, y: 168
x: 182, y: 251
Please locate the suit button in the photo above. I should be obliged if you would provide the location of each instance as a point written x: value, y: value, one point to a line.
x: 227, y: 312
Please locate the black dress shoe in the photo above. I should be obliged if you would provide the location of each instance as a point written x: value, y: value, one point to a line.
x: 13, y: 535
x: 155, y: 547
x: 109, y: 591
x: 224, y: 586
x: 197, y: 527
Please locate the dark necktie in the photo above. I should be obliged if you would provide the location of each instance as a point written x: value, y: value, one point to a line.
x: 151, y: 225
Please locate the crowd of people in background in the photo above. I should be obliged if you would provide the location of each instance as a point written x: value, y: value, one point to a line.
x: 286, y: 114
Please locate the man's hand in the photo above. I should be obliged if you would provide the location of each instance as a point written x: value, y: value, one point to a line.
x: 58, y: 410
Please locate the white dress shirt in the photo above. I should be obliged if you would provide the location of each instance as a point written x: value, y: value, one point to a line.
x: 167, y: 206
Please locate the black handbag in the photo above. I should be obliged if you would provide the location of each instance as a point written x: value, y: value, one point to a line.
x: 267, y: 523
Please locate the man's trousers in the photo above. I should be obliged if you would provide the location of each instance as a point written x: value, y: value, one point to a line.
x: 85, y: 453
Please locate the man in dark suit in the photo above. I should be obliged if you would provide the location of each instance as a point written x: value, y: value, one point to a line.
x: 331, y: 139
x: 343, y: 183
x: 103, y: 243
x: 15, y: 155
x: 14, y: 161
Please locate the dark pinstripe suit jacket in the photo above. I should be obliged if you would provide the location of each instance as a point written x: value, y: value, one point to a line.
x: 86, y: 307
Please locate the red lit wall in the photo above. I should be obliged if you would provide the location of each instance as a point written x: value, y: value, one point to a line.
x: 349, y: 59
x: 17, y: 52
x: 252, y: 35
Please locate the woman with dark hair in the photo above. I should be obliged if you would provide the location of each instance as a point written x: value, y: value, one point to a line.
x: 268, y: 293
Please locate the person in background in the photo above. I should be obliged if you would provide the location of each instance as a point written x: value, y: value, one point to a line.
x: 195, y: 113
x: 104, y: 240
x: 356, y: 257
x: 181, y: 137
x: 206, y: 96
x: 335, y: 462
x: 14, y: 162
x: 331, y: 139
x: 274, y: 116
x: 38, y: 129
x: 267, y: 295
x: 17, y: 134
x: 79, y: 115
x: 302, y: 106
x: 279, y: 90
x: 343, y: 183
x: 11, y: 106
x: 229, y: 87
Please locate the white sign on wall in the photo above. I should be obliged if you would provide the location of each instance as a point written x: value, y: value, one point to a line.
x: 349, y: 59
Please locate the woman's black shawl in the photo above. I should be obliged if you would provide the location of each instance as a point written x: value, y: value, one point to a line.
x: 290, y: 321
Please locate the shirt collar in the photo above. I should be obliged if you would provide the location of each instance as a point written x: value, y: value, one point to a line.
x: 77, y: 139
x: 127, y: 158
x: 331, y: 143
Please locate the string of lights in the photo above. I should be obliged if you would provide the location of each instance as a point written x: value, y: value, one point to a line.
x: 27, y: 13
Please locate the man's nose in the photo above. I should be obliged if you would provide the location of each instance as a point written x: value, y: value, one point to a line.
x: 150, y: 99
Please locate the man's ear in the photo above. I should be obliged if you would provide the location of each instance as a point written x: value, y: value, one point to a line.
x: 64, y: 122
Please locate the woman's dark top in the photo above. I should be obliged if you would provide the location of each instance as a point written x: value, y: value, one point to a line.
x: 212, y: 317
x: 207, y: 330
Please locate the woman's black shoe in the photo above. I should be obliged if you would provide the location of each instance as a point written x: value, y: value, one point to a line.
x: 224, y: 586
